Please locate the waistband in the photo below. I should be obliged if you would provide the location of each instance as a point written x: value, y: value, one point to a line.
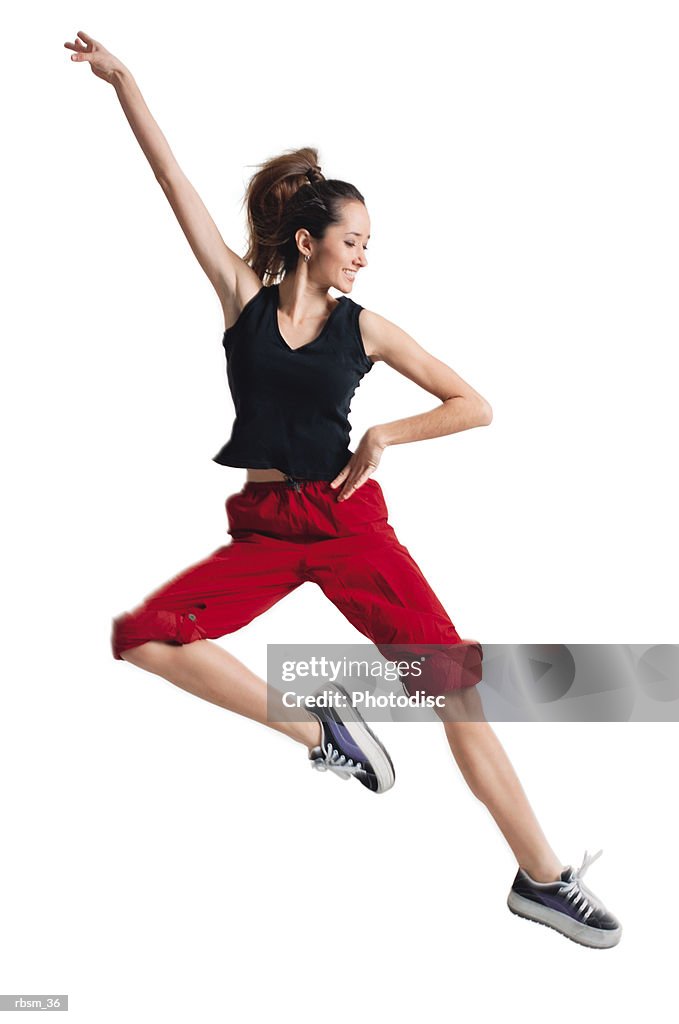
x: 290, y: 483
x: 295, y: 483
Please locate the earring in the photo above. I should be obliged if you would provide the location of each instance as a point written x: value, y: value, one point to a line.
x: 306, y: 259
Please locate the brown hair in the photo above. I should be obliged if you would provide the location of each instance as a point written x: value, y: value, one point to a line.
x: 287, y: 193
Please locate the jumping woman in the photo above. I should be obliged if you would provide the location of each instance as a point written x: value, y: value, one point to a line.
x: 311, y: 509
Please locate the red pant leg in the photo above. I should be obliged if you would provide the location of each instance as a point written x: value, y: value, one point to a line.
x: 377, y: 585
x: 215, y: 596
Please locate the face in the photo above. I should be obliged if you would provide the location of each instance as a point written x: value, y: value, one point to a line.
x: 342, y: 250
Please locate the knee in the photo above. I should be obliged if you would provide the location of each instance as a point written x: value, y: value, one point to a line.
x: 147, y: 655
x: 462, y: 705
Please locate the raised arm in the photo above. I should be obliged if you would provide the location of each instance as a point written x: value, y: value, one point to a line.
x: 234, y: 281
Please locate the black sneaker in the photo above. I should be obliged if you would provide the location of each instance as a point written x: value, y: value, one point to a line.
x: 566, y: 905
x: 348, y: 747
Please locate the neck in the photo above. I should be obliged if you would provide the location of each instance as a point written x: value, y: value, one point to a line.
x: 301, y: 299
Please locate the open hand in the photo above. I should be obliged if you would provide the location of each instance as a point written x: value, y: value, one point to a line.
x: 360, y: 466
x: 103, y: 63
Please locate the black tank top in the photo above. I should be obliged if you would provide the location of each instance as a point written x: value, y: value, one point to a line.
x: 292, y: 405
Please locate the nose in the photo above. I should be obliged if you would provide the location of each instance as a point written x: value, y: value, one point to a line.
x: 362, y: 260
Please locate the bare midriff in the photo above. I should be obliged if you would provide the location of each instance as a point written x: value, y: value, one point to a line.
x: 262, y: 475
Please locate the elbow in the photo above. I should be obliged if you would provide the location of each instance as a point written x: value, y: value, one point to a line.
x: 480, y: 413
x: 484, y: 415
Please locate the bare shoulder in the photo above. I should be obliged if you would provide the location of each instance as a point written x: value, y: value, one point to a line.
x: 386, y: 341
x: 241, y: 286
x: 381, y: 337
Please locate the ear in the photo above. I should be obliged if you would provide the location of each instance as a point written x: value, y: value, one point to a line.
x: 303, y: 242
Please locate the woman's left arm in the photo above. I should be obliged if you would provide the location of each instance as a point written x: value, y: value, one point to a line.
x: 461, y: 406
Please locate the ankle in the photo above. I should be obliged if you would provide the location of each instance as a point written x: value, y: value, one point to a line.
x: 544, y: 874
x: 313, y: 735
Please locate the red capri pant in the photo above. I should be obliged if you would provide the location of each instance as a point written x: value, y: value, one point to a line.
x: 284, y: 533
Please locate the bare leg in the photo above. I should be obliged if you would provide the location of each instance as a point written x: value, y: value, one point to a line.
x: 492, y: 779
x: 208, y: 671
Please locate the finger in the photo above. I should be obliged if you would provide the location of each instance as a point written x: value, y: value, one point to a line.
x: 353, y: 485
x: 350, y: 486
x: 88, y: 39
x: 340, y: 476
x: 345, y: 493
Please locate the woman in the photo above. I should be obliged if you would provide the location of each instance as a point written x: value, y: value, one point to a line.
x: 311, y: 509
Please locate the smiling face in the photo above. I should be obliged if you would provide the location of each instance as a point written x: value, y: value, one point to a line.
x: 337, y: 258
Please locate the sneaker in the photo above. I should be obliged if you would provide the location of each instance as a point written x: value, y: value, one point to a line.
x: 348, y: 747
x: 566, y: 905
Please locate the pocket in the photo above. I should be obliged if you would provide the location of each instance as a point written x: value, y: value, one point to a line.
x: 365, y: 507
x: 374, y: 494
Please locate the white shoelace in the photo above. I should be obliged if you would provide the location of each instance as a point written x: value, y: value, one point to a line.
x: 336, y: 762
x: 577, y: 892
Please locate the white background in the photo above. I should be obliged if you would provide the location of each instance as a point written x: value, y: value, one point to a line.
x: 163, y: 860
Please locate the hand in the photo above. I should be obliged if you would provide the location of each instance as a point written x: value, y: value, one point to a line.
x: 360, y: 466
x: 103, y: 64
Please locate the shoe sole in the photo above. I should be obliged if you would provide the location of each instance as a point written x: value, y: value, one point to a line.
x: 362, y: 734
x: 595, y: 938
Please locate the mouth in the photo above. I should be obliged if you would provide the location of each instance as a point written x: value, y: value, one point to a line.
x: 351, y: 274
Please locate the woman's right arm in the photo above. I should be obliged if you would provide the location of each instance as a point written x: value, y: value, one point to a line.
x: 234, y: 281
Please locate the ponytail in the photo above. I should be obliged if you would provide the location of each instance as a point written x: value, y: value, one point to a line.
x: 287, y: 193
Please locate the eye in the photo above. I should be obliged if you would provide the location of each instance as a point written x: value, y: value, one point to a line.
x: 352, y: 244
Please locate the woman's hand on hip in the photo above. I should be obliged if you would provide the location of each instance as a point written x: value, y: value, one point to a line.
x: 104, y: 64
x: 360, y: 466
